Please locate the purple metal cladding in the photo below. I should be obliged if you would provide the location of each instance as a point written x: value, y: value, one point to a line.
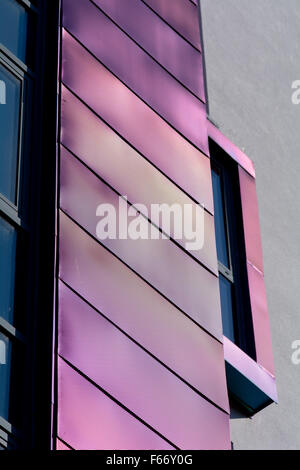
x: 250, y: 369
x: 251, y: 220
x: 260, y: 318
x: 189, y: 284
x: 183, y: 17
x: 133, y: 119
x: 159, y: 40
x: 139, y: 382
x: 150, y: 187
x: 159, y: 327
x: 61, y: 446
x: 93, y: 141
x: 138, y: 309
x: 230, y: 148
x: 137, y: 69
x: 89, y: 420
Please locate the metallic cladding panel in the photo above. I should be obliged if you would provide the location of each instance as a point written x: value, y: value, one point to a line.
x: 251, y: 220
x: 61, y: 446
x: 260, y: 317
x: 230, y: 148
x: 164, y: 192
x: 191, y: 287
x: 158, y: 39
x: 155, y: 324
x: 89, y: 420
x: 134, y: 120
x: 117, y: 162
x: 130, y: 375
x: 137, y: 69
x: 183, y: 17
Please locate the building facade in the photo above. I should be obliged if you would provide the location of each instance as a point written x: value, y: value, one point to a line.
x: 130, y: 340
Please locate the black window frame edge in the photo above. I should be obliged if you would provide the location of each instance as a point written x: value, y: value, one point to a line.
x: 38, y: 417
x: 39, y: 164
x: 237, y: 274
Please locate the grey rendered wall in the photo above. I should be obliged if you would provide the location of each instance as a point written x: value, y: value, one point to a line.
x: 252, y: 54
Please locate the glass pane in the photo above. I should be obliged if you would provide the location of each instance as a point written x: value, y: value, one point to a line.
x: 13, y: 27
x: 5, y: 369
x: 8, y: 239
x: 220, y: 225
x: 226, y: 307
x: 9, y: 132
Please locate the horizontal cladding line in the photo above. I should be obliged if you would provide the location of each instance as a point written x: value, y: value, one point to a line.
x: 170, y: 26
x: 65, y: 443
x: 148, y: 53
x: 117, y: 401
x: 139, y: 97
x: 131, y: 145
x: 137, y: 274
x: 143, y: 348
x: 147, y: 218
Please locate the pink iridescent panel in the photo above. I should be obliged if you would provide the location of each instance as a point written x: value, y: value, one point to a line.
x: 166, y: 46
x: 93, y: 141
x: 164, y: 193
x: 183, y: 17
x: 154, y: 259
x: 136, y: 69
x: 89, y: 420
x: 83, y: 74
x: 251, y: 220
x: 138, y: 381
x: 260, y: 317
x: 159, y: 327
x: 61, y: 446
x: 231, y: 149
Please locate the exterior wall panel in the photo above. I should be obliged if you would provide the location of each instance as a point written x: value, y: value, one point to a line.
x: 139, y: 322
x: 191, y: 287
x: 183, y: 17
x: 142, y: 313
x: 141, y: 384
x: 99, y: 422
x: 135, y: 68
x: 144, y: 26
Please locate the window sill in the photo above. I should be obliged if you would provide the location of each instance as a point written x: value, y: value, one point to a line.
x: 248, y: 382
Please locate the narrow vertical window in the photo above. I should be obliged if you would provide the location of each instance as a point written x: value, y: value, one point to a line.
x: 234, y: 294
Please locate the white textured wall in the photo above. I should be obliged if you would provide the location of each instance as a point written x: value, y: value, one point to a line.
x: 252, y: 53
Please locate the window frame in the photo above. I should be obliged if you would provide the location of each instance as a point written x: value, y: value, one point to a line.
x: 21, y: 214
x: 236, y: 273
x: 251, y: 383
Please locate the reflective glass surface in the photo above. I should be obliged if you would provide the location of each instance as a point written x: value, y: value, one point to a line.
x: 227, y: 308
x: 13, y: 27
x: 9, y: 132
x: 8, y: 238
x: 220, y: 224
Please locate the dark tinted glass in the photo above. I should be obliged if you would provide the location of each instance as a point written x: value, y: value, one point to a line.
x: 13, y: 27
x: 5, y: 369
x: 220, y: 221
x: 9, y: 132
x: 8, y: 239
x: 227, y: 307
